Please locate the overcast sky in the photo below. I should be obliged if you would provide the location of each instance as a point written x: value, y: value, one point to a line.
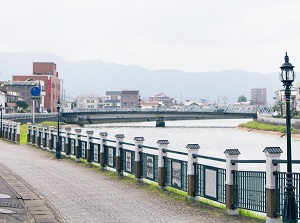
x: 190, y: 35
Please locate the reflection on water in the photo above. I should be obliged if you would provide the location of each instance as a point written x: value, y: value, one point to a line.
x: 213, y: 136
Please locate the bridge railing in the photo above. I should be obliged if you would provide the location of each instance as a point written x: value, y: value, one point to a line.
x: 202, y: 177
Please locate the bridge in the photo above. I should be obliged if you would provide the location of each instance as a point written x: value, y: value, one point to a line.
x: 96, y: 116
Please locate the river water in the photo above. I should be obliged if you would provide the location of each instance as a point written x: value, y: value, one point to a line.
x: 213, y: 136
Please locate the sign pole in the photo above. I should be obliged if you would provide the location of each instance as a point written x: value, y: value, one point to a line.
x: 33, y: 110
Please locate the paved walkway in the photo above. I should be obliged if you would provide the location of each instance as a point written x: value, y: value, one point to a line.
x: 66, y: 191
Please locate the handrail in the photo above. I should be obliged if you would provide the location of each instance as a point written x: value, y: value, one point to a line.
x: 148, y: 147
x: 108, y: 140
x: 171, y: 151
x: 247, y: 161
x: 209, y: 158
x: 285, y: 161
x: 127, y: 143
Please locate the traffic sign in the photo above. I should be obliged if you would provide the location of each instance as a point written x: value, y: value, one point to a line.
x: 35, y: 91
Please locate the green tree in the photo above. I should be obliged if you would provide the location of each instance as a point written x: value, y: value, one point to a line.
x: 22, y: 105
x: 242, y: 98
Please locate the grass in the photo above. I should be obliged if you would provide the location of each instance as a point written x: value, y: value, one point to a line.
x: 23, y: 129
x: 267, y: 127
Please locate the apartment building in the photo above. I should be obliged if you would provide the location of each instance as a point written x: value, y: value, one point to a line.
x: 258, y: 96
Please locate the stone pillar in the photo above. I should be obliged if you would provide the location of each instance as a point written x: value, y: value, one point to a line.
x: 162, y: 144
x: 18, y: 136
x: 103, y: 137
x: 50, y: 131
x: 89, y: 134
x: 78, y: 133
x: 137, y: 158
x: 119, y: 140
x: 231, y: 154
x: 192, y: 149
x: 271, y: 154
x: 29, y: 127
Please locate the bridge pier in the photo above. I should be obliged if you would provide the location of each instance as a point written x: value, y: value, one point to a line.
x: 160, y: 122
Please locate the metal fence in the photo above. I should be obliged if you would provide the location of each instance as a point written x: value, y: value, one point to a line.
x: 280, y: 182
x: 149, y: 166
x: 210, y: 182
x: 175, y: 173
x: 250, y: 192
x: 127, y: 161
x: 110, y: 156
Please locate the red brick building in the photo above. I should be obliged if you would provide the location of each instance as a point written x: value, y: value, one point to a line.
x: 45, y: 71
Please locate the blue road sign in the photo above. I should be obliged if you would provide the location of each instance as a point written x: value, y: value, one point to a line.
x: 35, y: 91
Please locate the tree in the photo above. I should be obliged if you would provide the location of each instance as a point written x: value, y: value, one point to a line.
x: 242, y: 98
x: 22, y: 105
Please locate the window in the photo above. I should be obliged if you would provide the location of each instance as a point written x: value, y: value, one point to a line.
x: 125, y: 104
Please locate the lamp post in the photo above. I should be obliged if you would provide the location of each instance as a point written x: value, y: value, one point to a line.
x: 1, y: 108
x: 287, y: 76
x: 58, y: 152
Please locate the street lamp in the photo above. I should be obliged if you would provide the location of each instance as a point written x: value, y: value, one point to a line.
x: 58, y: 155
x: 1, y: 108
x: 287, y: 76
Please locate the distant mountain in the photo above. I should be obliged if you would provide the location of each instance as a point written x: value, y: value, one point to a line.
x: 97, y: 76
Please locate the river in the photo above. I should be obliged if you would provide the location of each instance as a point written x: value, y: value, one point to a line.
x: 213, y: 136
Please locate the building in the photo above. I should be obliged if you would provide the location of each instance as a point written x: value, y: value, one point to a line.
x: 112, y: 99
x: 162, y: 97
x: 258, y: 96
x: 45, y: 71
x: 130, y: 99
x: 89, y: 102
x: 280, y: 103
x: 126, y: 99
x: 23, y: 88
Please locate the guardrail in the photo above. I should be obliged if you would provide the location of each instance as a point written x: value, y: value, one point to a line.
x: 185, y: 171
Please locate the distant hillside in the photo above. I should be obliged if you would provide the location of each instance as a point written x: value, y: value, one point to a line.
x: 96, y: 76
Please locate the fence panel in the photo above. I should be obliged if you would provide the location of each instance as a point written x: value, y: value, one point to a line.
x: 149, y: 166
x: 63, y: 143
x: 127, y: 161
x: 249, y: 190
x: 280, y: 182
x: 95, y: 152
x: 29, y: 133
x: 210, y: 182
x: 46, y: 139
x: 72, y: 145
x: 82, y: 148
x: 110, y: 156
x: 175, y: 173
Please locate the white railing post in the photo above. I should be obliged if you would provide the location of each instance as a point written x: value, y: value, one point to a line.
x: 103, y: 137
x: 138, y: 141
x: 231, y: 154
x: 162, y: 144
x: 78, y: 133
x: 272, y: 153
x: 192, y: 150
x: 89, y: 134
x: 119, y: 140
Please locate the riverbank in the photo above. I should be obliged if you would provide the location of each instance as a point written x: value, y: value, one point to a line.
x: 275, y: 130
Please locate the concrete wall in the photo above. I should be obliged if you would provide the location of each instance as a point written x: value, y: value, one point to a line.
x: 278, y: 121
